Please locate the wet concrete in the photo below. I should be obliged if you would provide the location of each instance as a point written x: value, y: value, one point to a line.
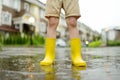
x: 23, y: 64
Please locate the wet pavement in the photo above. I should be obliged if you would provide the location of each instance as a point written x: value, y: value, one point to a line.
x: 23, y: 64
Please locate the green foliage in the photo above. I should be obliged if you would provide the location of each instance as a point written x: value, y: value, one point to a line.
x: 95, y: 44
x: 38, y: 40
x: 96, y: 38
x: 0, y: 42
x: 0, y: 38
x: 0, y: 46
x: 14, y: 39
x: 113, y: 43
x: 17, y: 39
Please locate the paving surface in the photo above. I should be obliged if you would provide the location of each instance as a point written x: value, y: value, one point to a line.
x: 22, y: 63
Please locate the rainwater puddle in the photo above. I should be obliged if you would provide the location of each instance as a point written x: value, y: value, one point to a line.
x: 26, y: 67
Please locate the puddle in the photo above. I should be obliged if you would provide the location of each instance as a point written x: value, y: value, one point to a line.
x: 23, y: 67
x: 27, y: 68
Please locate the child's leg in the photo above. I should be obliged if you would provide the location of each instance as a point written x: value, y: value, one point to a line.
x: 50, y: 41
x: 75, y: 42
x: 52, y: 25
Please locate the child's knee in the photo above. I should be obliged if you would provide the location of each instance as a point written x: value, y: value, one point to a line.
x: 71, y: 22
x: 53, y: 21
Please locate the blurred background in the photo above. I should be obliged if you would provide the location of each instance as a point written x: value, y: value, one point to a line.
x: 23, y: 22
x: 23, y: 29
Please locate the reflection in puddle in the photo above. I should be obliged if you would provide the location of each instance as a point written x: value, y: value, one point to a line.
x: 49, y: 72
x: 76, y: 72
x: 52, y: 73
x: 27, y: 68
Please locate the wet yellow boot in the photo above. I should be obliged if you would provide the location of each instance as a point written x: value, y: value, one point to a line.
x: 76, y: 52
x: 50, y: 52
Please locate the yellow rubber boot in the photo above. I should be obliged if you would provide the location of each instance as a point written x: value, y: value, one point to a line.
x: 76, y: 52
x: 50, y: 52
